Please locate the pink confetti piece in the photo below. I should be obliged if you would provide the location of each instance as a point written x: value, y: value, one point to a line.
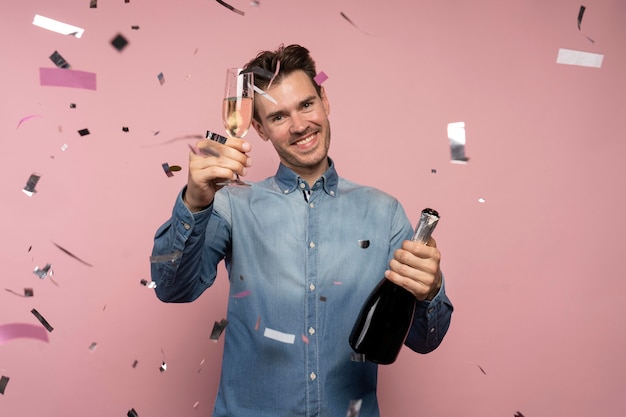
x: 258, y: 323
x: 337, y: 283
x: 320, y: 77
x: 305, y: 339
x: 275, y: 74
x: 23, y: 119
x: 61, y: 77
x: 14, y: 331
x: 242, y: 294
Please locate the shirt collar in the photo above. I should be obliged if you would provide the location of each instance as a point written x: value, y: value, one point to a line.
x: 289, y: 181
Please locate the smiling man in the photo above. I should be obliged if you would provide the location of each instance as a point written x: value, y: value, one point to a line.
x: 292, y: 244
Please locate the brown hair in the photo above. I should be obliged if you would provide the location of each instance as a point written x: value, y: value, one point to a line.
x: 289, y: 59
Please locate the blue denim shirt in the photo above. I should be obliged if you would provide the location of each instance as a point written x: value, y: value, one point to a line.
x: 299, y: 273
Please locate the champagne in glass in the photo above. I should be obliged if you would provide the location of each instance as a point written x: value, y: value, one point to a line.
x: 237, y: 107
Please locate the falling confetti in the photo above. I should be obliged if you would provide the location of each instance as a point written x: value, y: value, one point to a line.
x: 23, y: 119
x: 305, y: 339
x: 56, y: 26
x: 119, y: 42
x: 242, y: 294
x: 228, y: 6
x: 354, y: 408
x: 352, y: 23
x: 84, y: 132
x: 149, y: 284
x: 581, y: 12
x: 132, y: 413
x: 93, y: 346
x: 93, y: 4
x: 364, y: 244
x: 71, y: 254
x: 28, y: 292
x: 43, y: 272
x: 170, y: 257
x: 456, y: 137
x: 166, y: 168
x: 481, y: 369
x: 518, y: 414
x: 13, y: 331
x: 274, y: 75
x: 61, y: 77
x: 163, y: 367
x: 42, y: 320
x: 218, y: 328
x: 357, y: 357
x: 320, y: 77
x: 4, y: 380
x: 58, y: 60
x: 216, y: 137
x: 161, y: 78
x: 279, y: 336
x: 29, y: 188
x: 264, y: 94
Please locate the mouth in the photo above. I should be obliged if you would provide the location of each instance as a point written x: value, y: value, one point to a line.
x: 307, y: 139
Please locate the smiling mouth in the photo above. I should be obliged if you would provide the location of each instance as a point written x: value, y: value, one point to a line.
x: 306, y: 140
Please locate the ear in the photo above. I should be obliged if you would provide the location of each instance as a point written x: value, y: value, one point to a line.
x: 325, y: 101
x: 259, y: 129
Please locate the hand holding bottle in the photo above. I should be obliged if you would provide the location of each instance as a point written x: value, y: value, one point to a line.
x: 415, y: 267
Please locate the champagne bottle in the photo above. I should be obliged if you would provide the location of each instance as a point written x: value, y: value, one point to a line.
x: 385, y: 318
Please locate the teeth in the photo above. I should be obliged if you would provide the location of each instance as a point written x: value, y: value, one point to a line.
x: 305, y: 140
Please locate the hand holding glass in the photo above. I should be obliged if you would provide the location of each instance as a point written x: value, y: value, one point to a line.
x: 237, y: 107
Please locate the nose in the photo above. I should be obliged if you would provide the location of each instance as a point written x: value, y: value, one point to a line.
x: 298, y: 124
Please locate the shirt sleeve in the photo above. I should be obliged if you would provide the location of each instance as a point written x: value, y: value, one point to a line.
x: 431, y: 321
x: 182, y: 265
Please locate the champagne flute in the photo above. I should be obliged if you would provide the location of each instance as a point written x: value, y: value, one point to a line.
x: 238, y: 107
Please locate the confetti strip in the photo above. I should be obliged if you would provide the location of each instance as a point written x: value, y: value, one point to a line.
x: 228, y: 6
x: 279, y: 336
x: 354, y: 408
x: 28, y: 292
x: 481, y: 369
x: 170, y: 257
x: 218, y: 328
x: 60, y: 77
x: 56, y: 26
x: 320, y: 77
x: 4, y: 380
x: 518, y: 414
x: 456, y: 136
x: 274, y: 75
x: 305, y: 339
x: 258, y: 71
x: 29, y: 188
x: 59, y: 61
x: 149, y: 284
x: 71, y: 254
x: 215, y: 137
x: 166, y: 168
x: 265, y: 95
x: 242, y: 294
x: 583, y: 59
x: 352, y: 23
x: 258, y: 323
x: 42, y: 320
x: 581, y: 12
x: 357, y: 357
x: 132, y: 413
x: 135, y: 362
x: 23, y: 119
x: 84, y: 132
x: 14, y: 331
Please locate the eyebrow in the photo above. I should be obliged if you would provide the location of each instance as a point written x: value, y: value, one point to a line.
x: 282, y: 112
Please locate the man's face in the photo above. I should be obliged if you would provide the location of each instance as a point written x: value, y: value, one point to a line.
x: 297, y: 125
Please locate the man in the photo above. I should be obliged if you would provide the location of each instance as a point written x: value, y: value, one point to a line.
x: 293, y: 246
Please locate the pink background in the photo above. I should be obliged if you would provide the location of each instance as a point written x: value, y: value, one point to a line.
x: 535, y: 271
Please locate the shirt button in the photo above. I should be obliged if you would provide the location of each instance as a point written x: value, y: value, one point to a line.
x: 332, y: 193
x: 312, y: 376
x: 285, y: 191
x: 311, y: 205
x: 312, y: 287
x: 187, y: 226
x: 311, y: 331
x: 432, y: 329
x: 312, y: 245
x: 430, y: 310
x: 302, y: 185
